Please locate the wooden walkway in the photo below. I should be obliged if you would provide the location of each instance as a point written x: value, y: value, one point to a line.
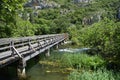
x: 25, y: 48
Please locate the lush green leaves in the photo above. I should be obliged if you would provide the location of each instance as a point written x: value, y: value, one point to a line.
x: 79, y: 60
x: 100, y: 74
x: 104, y: 37
x: 9, y: 10
x: 23, y: 28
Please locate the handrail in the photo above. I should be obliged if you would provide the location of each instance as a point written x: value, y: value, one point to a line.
x: 18, y: 39
x: 8, y: 46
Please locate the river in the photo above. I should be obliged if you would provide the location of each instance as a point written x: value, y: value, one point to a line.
x: 44, y: 72
x: 36, y: 72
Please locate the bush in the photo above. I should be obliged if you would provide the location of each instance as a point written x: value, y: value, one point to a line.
x: 81, y: 60
x: 94, y: 75
x: 104, y: 37
x: 23, y: 28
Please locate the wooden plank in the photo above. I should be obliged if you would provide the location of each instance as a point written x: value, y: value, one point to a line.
x: 46, y: 42
x: 5, y: 54
x: 42, y: 50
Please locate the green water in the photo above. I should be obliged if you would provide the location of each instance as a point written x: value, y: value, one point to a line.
x: 36, y: 72
x: 44, y: 72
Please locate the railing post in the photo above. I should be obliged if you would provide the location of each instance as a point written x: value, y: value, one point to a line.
x: 57, y: 46
x: 21, y: 64
x: 63, y: 42
x: 47, y: 52
x: 66, y: 35
x: 30, y: 45
x: 11, y: 47
x: 39, y: 45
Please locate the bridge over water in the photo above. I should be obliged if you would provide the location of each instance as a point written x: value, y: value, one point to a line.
x: 24, y: 48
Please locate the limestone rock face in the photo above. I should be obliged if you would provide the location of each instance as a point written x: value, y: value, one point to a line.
x: 118, y: 13
x: 41, y: 4
x: 82, y: 1
x: 91, y: 19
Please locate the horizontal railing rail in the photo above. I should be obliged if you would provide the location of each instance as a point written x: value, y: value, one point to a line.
x: 15, y: 48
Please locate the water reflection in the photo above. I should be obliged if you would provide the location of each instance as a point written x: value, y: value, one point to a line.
x: 8, y: 73
x: 43, y: 72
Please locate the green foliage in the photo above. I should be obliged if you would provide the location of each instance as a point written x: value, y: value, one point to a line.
x: 77, y: 60
x: 104, y: 37
x: 81, y: 60
x: 55, y: 56
x: 42, y: 26
x: 57, y: 20
x: 3, y: 30
x: 9, y: 9
x: 94, y: 75
x: 73, y: 32
x: 23, y: 28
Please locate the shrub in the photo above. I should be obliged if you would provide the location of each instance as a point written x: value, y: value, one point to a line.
x: 105, y: 38
x: 81, y: 60
x: 94, y: 75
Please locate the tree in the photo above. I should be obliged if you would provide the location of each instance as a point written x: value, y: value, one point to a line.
x: 9, y: 9
x: 104, y: 37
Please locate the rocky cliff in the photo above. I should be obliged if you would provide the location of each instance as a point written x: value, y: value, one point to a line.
x: 41, y: 4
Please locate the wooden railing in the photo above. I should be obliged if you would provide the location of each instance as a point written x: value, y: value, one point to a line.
x: 12, y: 49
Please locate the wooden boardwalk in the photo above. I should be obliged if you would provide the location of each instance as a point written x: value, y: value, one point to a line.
x: 25, y: 48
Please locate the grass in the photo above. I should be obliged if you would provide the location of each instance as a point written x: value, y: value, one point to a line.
x: 101, y: 74
x: 76, y: 60
x: 82, y: 66
x: 81, y: 60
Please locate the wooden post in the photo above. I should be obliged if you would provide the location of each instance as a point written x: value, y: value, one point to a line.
x: 21, y: 73
x: 21, y: 69
x: 62, y: 43
x: 57, y: 46
x: 47, y: 52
